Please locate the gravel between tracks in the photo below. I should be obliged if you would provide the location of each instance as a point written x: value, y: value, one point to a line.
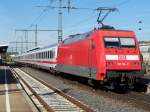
x: 100, y: 103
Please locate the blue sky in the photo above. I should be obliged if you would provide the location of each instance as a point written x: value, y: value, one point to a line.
x: 20, y: 14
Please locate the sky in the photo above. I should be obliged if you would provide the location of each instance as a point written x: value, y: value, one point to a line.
x: 24, y: 14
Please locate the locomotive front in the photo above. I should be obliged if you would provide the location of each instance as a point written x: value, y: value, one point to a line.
x: 120, y: 58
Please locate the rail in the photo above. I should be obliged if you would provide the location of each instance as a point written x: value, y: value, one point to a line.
x: 52, y: 98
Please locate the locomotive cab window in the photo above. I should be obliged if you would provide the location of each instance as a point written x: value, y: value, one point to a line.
x: 122, y: 42
x: 127, y: 42
x: 111, y: 42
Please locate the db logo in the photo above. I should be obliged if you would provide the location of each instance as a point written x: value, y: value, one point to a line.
x: 121, y: 57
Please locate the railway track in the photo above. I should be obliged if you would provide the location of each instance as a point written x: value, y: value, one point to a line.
x: 136, y: 99
x: 53, y: 99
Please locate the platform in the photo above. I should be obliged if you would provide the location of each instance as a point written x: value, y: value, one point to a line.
x: 12, y: 98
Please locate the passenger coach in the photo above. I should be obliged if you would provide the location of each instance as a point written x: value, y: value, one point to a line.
x: 40, y: 57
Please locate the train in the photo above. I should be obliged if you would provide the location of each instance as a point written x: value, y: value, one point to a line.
x: 103, y: 56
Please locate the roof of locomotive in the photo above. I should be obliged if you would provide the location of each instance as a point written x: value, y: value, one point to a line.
x: 86, y: 34
x: 119, y: 30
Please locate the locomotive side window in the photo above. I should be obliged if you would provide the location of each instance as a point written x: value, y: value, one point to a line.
x: 76, y: 38
x: 87, y: 35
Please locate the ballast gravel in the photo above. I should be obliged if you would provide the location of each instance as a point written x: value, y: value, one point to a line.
x: 98, y: 102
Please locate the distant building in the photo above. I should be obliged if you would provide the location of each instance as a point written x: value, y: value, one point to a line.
x: 144, y: 43
x: 145, y: 50
x: 3, y: 48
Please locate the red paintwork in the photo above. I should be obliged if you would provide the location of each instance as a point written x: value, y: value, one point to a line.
x: 82, y: 54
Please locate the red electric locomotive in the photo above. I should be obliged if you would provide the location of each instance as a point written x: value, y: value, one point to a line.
x: 109, y: 56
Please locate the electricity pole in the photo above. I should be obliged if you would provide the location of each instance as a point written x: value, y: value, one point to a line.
x: 26, y: 39
x: 21, y: 43
x: 60, y: 7
x: 36, y: 32
x: 60, y: 33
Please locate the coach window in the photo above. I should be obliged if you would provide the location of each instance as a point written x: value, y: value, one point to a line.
x: 47, y: 55
x: 36, y: 55
x: 44, y: 55
x: 40, y: 55
x: 53, y: 54
x: 50, y: 54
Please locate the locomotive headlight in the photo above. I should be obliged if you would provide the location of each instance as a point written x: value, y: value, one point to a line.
x: 135, y: 63
x: 109, y: 63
